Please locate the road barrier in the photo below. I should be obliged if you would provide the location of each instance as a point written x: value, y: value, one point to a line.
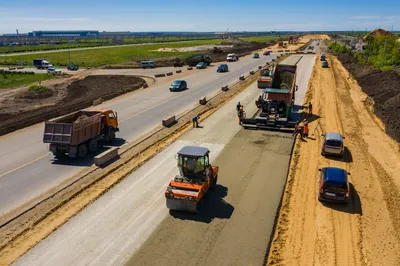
x: 170, y: 121
x: 189, y: 68
x: 98, y: 101
x: 260, y: 67
x: 145, y: 85
x: 11, y: 68
x: 241, y: 78
x: 179, y: 71
x: 251, y: 72
x: 159, y: 75
x: 107, y: 156
x: 170, y: 73
x: 203, y: 101
x: 20, y: 67
x: 225, y: 88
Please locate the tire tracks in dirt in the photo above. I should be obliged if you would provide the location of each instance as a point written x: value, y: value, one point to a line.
x: 366, y: 230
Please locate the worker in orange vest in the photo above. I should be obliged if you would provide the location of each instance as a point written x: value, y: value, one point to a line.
x: 305, y: 129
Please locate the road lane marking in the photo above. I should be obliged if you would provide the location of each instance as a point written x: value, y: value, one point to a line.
x: 25, y: 164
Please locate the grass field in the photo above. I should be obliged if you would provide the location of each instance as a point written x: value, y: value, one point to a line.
x: 261, y: 38
x: 106, y: 56
x: 90, y: 43
x: 14, y: 80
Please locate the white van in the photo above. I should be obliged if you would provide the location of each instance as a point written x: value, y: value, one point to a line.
x: 146, y: 64
x: 231, y: 58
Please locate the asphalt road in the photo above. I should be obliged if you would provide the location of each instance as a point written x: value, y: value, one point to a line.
x: 130, y: 224
x: 27, y: 169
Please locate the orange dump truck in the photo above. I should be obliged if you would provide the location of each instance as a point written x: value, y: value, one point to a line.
x: 195, y: 179
x: 80, y: 132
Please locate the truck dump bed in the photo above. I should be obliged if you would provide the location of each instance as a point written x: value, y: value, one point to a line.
x: 74, y: 128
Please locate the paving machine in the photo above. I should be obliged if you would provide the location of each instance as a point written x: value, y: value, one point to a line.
x: 277, y: 102
x: 195, y: 179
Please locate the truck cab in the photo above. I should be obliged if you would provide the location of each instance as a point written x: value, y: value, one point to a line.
x: 110, y: 119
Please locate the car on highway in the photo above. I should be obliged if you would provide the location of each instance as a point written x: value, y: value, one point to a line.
x: 332, y: 144
x: 223, y: 68
x: 322, y: 57
x: 73, y: 67
x: 52, y: 70
x: 256, y: 55
x: 201, y: 65
x: 333, y: 185
x: 232, y: 58
x: 178, y: 85
x: 147, y: 64
x: 325, y: 64
x: 267, y: 53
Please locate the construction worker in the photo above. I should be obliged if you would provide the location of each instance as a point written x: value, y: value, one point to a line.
x: 195, y: 121
x: 238, y: 107
x: 298, y: 131
x: 241, y: 114
x: 305, y: 129
x: 309, y: 109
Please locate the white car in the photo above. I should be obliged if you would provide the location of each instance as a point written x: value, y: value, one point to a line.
x: 231, y: 58
x: 52, y: 70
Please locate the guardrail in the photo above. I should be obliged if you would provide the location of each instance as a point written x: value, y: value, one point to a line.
x: 203, y: 101
x: 169, y: 73
x: 106, y: 157
x: 169, y: 122
x: 159, y: 75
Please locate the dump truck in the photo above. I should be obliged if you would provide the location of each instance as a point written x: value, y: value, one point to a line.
x: 81, y: 132
x: 195, y: 179
x: 41, y: 64
x: 265, y: 78
x: 197, y: 58
x: 276, y: 103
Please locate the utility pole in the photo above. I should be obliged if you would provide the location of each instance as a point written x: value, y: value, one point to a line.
x: 384, y: 53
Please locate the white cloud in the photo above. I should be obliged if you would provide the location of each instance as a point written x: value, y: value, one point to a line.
x: 375, y: 17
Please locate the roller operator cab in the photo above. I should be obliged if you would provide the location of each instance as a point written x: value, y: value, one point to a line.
x: 333, y: 185
x: 196, y: 177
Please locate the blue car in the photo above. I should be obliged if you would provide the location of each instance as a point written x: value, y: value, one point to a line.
x: 222, y: 68
x: 333, y: 185
x: 178, y: 85
x: 201, y: 65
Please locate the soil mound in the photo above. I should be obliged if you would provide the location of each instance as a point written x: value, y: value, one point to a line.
x: 383, y: 87
x: 18, y: 112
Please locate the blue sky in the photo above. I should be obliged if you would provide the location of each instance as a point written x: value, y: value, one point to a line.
x: 197, y: 15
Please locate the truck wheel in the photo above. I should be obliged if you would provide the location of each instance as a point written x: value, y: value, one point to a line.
x: 93, y: 145
x: 111, y: 135
x: 82, y: 151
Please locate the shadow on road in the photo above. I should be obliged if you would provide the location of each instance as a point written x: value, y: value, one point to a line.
x: 354, y: 205
x: 213, y: 206
x: 347, y: 157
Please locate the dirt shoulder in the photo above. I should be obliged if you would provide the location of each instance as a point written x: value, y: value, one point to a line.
x: 20, y: 109
x: 366, y: 230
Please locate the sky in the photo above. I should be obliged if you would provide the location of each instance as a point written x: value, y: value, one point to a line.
x: 198, y: 15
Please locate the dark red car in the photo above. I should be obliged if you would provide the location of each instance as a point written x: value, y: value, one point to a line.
x: 267, y: 53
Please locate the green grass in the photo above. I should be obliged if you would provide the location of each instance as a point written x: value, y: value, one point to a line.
x: 106, y: 56
x: 261, y: 38
x: 90, y: 43
x: 14, y: 80
x: 37, y: 88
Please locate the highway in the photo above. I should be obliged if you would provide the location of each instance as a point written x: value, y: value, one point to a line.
x: 27, y: 170
x: 130, y: 224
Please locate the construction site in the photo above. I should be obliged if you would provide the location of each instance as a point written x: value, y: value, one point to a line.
x: 109, y: 167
